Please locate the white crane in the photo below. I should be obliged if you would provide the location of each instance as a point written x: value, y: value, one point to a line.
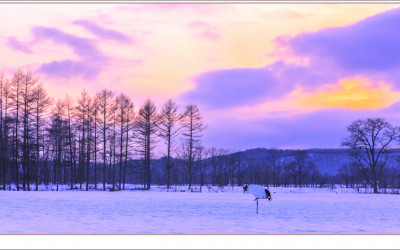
x: 258, y: 192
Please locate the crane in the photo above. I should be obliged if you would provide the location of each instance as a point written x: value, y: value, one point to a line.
x: 258, y: 192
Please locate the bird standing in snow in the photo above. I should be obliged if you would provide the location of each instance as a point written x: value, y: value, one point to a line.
x: 258, y: 192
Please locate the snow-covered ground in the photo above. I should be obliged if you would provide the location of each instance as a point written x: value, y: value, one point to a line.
x: 291, y: 211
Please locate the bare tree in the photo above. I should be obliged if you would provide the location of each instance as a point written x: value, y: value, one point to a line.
x: 30, y: 83
x: 95, y: 111
x: 368, y: 143
x: 255, y: 171
x: 145, y: 130
x: 193, y: 127
x: 68, y: 103
x: 124, y: 118
x: 129, y: 119
x: 240, y: 169
x: 57, y: 136
x: 302, y: 160
x: 290, y: 172
x: 113, y: 144
x: 105, y: 100
x: 344, y: 173
x: 82, y: 119
x: 230, y: 167
x: 89, y: 139
x: 274, y: 159
x: 201, y: 155
x: 169, y: 119
x: 5, y: 128
x: 218, y: 161
x: 16, y: 102
x: 41, y: 103
x: 2, y: 160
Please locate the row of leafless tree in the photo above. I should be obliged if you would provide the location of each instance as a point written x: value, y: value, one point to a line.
x: 221, y: 167
x: 43, y: 140
x: 374, y: 162
x: 351, y: 175
x: 99, y: 138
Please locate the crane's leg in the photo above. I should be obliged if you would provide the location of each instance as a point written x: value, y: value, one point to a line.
x: 257, y: 206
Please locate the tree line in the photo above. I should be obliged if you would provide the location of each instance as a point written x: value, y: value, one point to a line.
x: 92, y: 140
x: 222, y: 167
x: 372, y: 161
x: 101, y: 142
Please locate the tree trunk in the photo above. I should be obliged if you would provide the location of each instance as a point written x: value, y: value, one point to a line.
x: 120, y: 154
x: 88, y: 155
x: 95, y: 149
x: 190, y: 151
x: 104, y: 151
x: 114, y: 142
x: 169, y: 160
x: 126, y: 152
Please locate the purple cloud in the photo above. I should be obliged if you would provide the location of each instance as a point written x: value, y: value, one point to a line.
x: 17, y: 45
x: 233, y: 87
x: 68, y: 68
x: 89, y: 66
x: 103, y: 32
x: 370, y: 48
x: 370, y: 44
x: 81, y: 46
x: 247, y: 86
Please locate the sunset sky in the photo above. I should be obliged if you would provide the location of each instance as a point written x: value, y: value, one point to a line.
x: 263, y: 75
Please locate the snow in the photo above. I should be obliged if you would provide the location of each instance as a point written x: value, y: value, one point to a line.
x: 214, y: 211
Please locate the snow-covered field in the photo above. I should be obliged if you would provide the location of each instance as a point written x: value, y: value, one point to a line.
x: 291, y: 211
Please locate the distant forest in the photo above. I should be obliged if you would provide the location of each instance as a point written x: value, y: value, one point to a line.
x: 101, y: 141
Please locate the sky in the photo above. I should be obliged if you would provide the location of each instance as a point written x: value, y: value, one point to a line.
x: 263, y: 75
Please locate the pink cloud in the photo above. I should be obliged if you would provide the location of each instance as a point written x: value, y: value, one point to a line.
x: 17, y: 45
x: 196, y: 9
x: 91, y: 59
x: 102, y: 32
x: 204, y: 30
